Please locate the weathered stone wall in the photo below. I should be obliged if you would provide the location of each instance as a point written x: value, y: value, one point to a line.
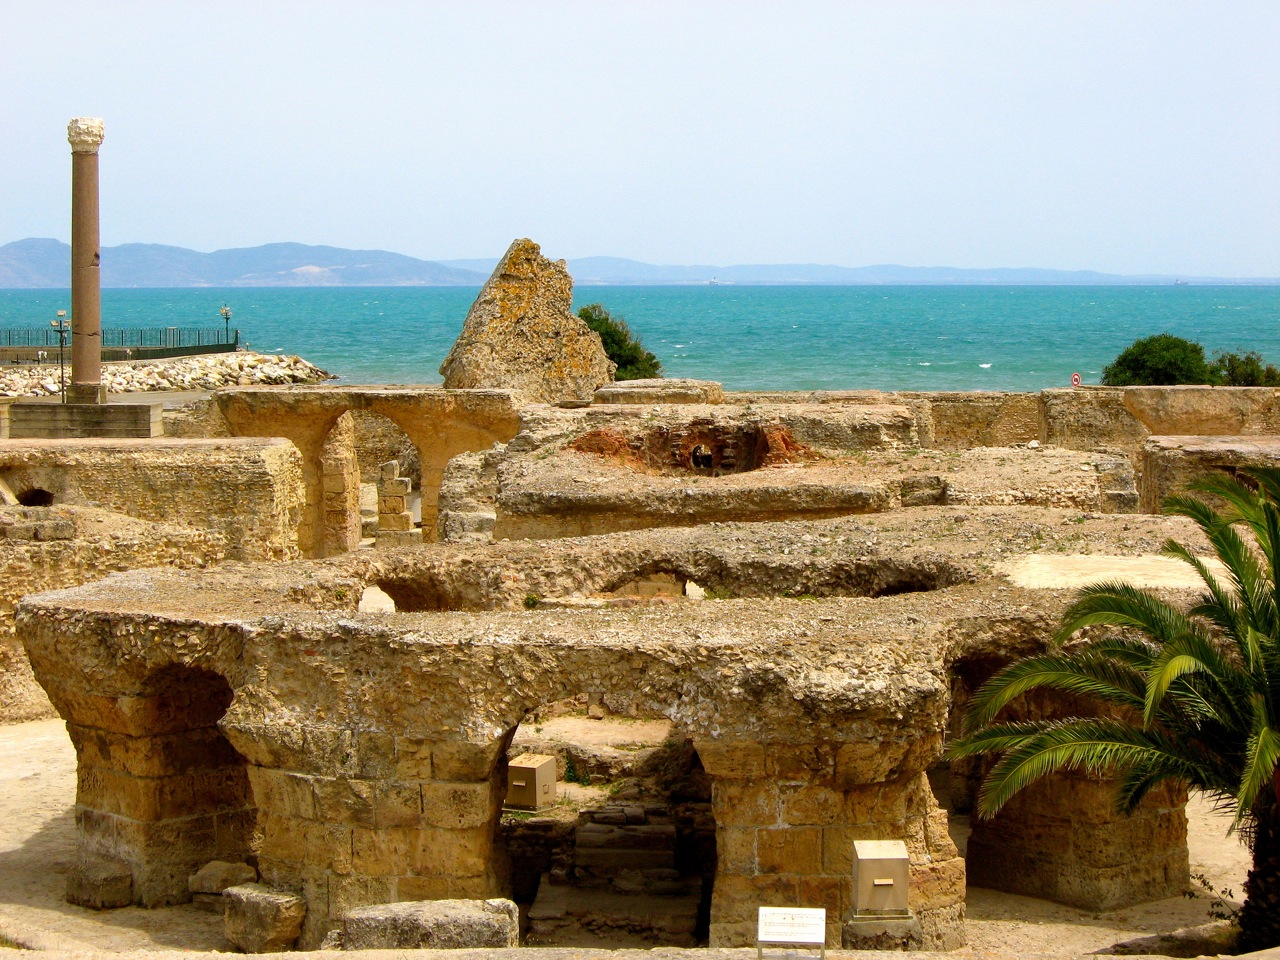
x: 47, y: 548
x: 340, y: 492
x: 248, y: 490
x: 787, y: 819
x: 1060, y: 839
x: 192, y: 503
x: 1122, y: 417
x: 962, y: 421
x: 197, y: 420
x: 1079, y: 418
x: 1169, y: 464
x: 374, y: 746
x: 376, y: 761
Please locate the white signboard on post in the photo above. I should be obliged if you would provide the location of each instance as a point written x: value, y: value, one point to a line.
x: 791, y: 927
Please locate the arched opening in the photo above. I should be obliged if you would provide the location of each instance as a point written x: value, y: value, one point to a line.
x: 624, y: 856
x: 1056, y: 839
x: 35, y: 497
x: 389, y: 482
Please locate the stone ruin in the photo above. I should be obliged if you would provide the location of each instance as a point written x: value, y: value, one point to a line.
x: 521, y: 335
x: 806, y: 587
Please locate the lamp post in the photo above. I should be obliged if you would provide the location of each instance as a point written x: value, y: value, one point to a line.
x: 226, y: 323
x: 62, y: 325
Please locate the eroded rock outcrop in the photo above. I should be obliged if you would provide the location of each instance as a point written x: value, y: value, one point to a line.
x: 521, y: 335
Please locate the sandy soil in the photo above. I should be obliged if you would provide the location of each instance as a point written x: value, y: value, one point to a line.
x: 1042, y: 571
x: 37, y: 844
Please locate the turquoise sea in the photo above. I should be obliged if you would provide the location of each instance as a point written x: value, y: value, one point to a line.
x: 749, y: 338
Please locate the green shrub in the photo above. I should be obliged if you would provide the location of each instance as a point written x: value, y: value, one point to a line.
x: 1246, y: 369
x: 1160, y: 360
x: 633, y: 360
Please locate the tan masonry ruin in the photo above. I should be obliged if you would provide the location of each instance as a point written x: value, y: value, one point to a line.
x: 361, y: 758
x: 853, y: 550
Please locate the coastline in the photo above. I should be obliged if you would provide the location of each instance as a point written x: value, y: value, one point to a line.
x: 748, y: 338
x: 204, y: 372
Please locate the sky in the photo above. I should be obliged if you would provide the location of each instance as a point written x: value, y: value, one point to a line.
x: 1127, y: 137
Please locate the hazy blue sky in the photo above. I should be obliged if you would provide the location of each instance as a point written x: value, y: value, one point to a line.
x: 1121, y: 136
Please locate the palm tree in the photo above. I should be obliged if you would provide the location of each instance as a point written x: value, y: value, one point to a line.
x: 1190, y: 696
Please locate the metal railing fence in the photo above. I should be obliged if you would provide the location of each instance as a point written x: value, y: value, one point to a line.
x: 163, y: 337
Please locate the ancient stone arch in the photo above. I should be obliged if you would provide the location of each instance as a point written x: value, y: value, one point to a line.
x: 440, y: 423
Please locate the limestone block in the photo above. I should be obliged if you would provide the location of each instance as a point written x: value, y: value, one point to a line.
x: 390, y: 504
x: 457, y: 805
x: 396, y: 487
x: 1169, y: 464
x: 209, y: 902
x: 521, y: 335
x: 392, y: 539
x: 454, y: 760
x: 433, y: 924
x: 261, y: 920
x: 661, y: 390
x: 795, y: 850
x: 100, y: 883
x: 217, y: 875
x: 744, y: 803
x: 388, y: 471
x: 736, y: 760
x: 395, y: 521
x: 882, y: 933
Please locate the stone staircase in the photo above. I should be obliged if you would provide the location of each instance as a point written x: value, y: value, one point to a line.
x: 624, y: 888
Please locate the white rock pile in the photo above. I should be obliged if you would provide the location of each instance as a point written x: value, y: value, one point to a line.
x: 208, y: 372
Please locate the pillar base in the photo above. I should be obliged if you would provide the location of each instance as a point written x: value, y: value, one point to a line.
x: 80, y: 420
x: 86, y: 393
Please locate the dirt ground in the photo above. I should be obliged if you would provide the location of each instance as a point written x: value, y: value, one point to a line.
x: 37, y: 843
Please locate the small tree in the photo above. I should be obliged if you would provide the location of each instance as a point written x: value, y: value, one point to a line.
x: 633, y: 360
x: 1246, y: 369
x: 1160, y: 360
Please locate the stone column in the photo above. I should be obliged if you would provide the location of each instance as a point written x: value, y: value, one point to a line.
x: 85, y: 135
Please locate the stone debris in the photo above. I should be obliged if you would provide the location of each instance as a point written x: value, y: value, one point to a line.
x: 100, y: 883
x: 522, y: 335
x: 262, y: 920
x: 395, y: 521
x: 433, y: 924
x: 206, y: 372
x: 216, y: 875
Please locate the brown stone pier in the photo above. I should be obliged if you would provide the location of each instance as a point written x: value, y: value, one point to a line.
x: 85, y: 135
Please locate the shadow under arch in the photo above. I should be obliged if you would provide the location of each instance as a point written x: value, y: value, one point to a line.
x: 1061, y: 838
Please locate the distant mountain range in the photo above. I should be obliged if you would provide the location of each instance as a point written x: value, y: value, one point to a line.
x: 36, y: 263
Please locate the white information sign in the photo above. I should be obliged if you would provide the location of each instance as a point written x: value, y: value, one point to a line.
x: 792, y: 926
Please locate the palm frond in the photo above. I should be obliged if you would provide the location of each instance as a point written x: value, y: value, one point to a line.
x: 1262, y: 756
x: 1120, y: 604
x: 1094, y: 746
x: 1081, y: 675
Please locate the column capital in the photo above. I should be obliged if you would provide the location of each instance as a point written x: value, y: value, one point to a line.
x: 85, y: 134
